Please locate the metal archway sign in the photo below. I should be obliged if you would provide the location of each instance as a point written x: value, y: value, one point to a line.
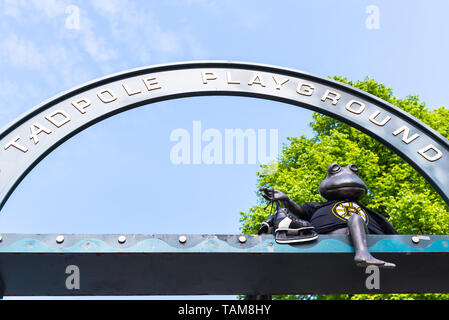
x: 149, y: 264
x: 28, y: 139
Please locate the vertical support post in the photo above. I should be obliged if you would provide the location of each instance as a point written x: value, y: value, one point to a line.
x: 2, y: 288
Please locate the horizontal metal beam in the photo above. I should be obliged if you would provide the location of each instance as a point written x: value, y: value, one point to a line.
x: 53, y: 265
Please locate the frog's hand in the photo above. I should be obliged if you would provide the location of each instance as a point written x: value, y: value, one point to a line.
x: 267, y: 194
x: 273, y: 195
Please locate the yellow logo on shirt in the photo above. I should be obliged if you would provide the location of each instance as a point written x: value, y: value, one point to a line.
x: 343, y: 210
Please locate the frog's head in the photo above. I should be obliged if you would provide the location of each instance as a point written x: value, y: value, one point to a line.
x: 342, y: 183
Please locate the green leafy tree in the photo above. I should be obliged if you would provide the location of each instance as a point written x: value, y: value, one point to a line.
x: 396, y: 190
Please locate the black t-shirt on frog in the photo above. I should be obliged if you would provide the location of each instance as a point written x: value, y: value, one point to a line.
x: 332, y: 215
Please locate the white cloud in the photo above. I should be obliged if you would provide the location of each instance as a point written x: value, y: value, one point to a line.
x: 15, y: 99
x: 140, y: 31
x: 40, y: 56
x: 10, y: 8
x: 93, y: 44
x: 20, y: 53
x: 53, y: 13
x: 113, y: 35
x: 51, y: 8
x: 57, y: 65
x: 131, y: 26
x: 63, y: 67
x: 8, y: 88
x: 110, y: 7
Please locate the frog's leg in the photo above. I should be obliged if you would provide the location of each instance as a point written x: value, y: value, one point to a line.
x: 363, y: 257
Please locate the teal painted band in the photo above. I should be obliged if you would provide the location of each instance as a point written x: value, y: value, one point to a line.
x: 213, y: 244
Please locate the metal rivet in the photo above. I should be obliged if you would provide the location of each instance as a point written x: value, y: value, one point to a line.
x: 182, y: 239
x: 60, y: 239
x: 242, y: 239
x: 415, y: 239
x: 121, y: 239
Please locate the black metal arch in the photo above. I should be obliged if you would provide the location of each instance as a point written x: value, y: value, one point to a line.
x: 28, y: 139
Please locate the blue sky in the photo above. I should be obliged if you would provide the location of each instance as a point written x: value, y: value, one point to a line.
x: 117, y: 177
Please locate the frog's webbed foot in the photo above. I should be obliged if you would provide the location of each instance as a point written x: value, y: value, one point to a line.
x: 364, y: 260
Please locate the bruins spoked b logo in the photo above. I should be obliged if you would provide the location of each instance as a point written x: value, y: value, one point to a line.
x: 343, y: 210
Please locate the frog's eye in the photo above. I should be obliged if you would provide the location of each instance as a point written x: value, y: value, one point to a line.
x: 335, y: 168
x: 354, y: 168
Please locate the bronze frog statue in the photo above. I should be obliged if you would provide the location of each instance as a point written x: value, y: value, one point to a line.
x: 341, y: 214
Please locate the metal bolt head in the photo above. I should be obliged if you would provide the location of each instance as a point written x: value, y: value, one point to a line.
x: 121, y: 239
x: 182, y: 239
x: 60, y: 239
x: 242, y: 239
x: 415, y: 239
